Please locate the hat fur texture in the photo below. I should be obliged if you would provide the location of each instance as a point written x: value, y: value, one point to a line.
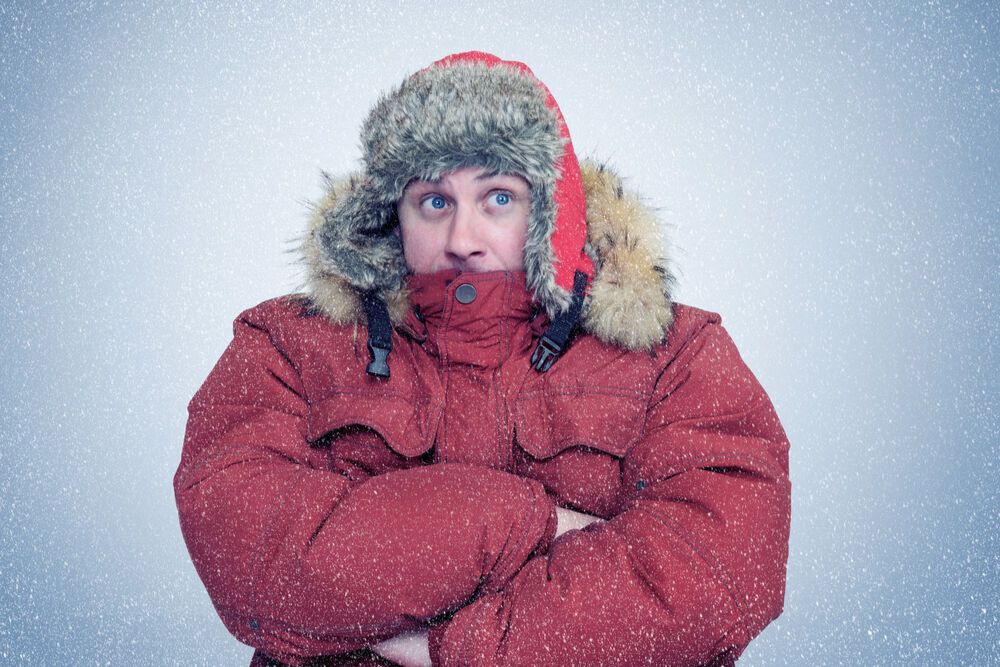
x: 474, y: 110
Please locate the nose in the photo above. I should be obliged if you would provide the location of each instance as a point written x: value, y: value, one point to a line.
x: 465, y: 246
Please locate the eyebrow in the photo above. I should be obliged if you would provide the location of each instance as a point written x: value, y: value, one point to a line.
x: 486, y: 175
x: 481, y: 177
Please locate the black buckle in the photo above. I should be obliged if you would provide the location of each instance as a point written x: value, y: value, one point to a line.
x: 379, y: 365
x: 545, y: 354
x: 379, y: 334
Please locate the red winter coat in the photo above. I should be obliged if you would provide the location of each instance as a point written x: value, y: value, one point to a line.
x: 326, y: 510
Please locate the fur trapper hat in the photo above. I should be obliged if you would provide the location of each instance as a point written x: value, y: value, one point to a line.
x: 475, y: 110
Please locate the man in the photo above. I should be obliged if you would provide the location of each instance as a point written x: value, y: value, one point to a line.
x: 486, y: 435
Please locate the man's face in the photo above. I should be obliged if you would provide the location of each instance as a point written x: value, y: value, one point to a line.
x: 470, y: 220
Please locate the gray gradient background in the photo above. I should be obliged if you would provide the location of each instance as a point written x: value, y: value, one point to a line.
x: 828, y: 173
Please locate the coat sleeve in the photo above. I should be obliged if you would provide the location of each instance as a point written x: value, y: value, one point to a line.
x: 693, y: 565
x: 300, y: 560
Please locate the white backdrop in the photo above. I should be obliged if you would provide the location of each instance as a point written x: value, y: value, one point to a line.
x: 828, y: 176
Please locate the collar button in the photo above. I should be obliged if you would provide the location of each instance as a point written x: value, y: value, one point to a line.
x: 465, y: 293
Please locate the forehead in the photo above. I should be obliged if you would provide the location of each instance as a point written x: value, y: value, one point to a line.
x: 470, y: 175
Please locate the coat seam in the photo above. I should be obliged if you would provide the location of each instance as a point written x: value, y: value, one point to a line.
x: 209, y: 458
x: 265, y: 535
x: 729, y: 416
x: 668, y: 374
x: 675, y: 468
x: 202, y: 406
x: 496, y: 375
x: 501, y: 421
x: 578, y: 389
x: 268, y: 316
x: 722, y: 575
x: 525, y: 528
x: 273, y: 624
x: 375, y: 392
x: 503, y: 320
x: 444, y: 359
x: 468, y: 631
x: 265, y: 329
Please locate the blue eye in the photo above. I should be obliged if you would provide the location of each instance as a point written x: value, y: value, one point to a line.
x: 501, y: 199
x: 436, y: 202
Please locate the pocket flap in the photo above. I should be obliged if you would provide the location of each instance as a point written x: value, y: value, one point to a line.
x: 406, y: 422
x: 553, y: 419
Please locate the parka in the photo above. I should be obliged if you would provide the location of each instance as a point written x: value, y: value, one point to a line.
x: 327, y: 507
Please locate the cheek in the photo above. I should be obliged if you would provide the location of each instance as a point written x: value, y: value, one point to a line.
x: 513, y: 248
x: 420, y: 249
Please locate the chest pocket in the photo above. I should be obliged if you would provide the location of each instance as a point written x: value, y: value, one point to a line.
x: 406, y: 422
x: 552, y: 419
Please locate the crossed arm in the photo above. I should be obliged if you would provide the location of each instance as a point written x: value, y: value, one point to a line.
x: 693, y: 566
x: 411, y: 649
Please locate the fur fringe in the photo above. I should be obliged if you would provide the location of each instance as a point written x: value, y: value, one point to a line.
x: 630, y: 303
x: 630, y: 296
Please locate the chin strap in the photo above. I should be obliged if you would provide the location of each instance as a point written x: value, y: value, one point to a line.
x: 551, y: 345
x: 379, y: 334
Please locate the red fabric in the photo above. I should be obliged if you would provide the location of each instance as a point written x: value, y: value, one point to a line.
x: 570, y: 234
x: 326, y: 510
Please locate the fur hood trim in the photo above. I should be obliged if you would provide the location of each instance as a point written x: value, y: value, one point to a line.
x: 629, y: 302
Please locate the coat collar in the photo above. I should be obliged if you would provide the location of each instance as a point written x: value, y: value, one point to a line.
x: 478, y: 319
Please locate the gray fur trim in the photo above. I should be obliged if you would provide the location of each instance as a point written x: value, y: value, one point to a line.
x: 461, y: 115
x: 539, y: 257
x: 356, y: 240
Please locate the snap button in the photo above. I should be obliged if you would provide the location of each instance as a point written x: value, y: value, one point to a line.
x: 465, y: 293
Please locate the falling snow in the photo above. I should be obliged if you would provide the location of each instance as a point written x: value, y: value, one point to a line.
x: 828, y: 177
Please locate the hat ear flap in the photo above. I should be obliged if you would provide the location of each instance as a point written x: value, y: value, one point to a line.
x: 540, y: 257
x: 354, y: 240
